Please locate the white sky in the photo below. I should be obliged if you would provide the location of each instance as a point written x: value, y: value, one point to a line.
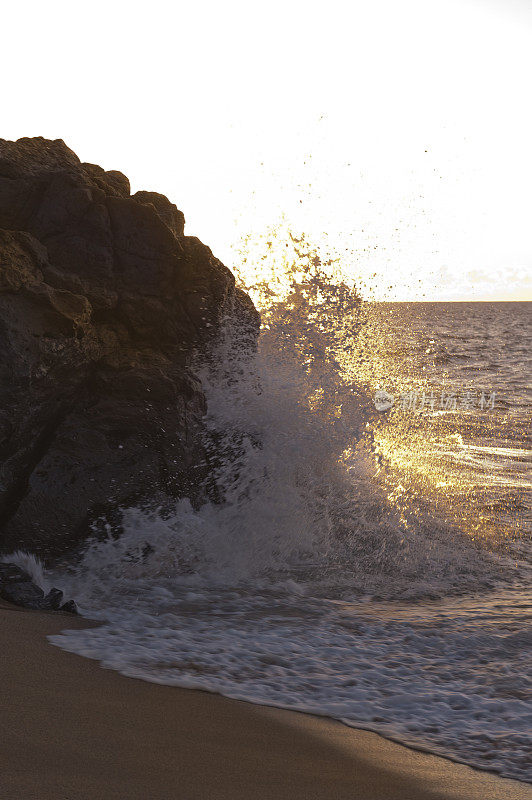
x: 397, y: 131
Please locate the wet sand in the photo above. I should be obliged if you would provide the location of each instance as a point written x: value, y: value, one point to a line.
x: 71, y: 730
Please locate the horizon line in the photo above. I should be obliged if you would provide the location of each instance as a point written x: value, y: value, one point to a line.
x: 460, y: 300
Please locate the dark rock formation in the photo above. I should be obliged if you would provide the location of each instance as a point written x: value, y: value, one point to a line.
x: 17, y: 587
x: 103, y: 302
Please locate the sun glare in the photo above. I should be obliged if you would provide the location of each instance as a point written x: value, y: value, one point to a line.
x: 395, y: 136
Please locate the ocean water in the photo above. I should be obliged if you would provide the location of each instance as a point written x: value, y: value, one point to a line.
x: 372, y: 566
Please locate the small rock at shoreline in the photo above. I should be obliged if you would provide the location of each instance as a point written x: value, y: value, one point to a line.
x: 17, y: 587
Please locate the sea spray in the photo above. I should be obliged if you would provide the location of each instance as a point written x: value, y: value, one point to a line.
x: 294, y: 475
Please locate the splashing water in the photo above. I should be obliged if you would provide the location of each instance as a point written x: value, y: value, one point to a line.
x: 325, y: 575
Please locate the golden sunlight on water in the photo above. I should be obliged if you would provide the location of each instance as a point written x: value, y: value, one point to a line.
x: 424, y: 449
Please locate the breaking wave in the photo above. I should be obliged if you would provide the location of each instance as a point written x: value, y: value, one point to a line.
x: 315, y: 576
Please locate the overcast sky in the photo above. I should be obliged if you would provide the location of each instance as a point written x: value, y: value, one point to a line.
x: 397, y: 132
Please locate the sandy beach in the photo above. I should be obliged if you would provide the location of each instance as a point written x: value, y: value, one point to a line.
x: 71, y: 729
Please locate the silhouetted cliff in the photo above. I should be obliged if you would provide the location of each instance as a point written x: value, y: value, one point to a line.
x: 103, y: 301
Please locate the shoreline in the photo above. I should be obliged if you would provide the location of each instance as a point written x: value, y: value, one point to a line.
x: 74, y: 729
